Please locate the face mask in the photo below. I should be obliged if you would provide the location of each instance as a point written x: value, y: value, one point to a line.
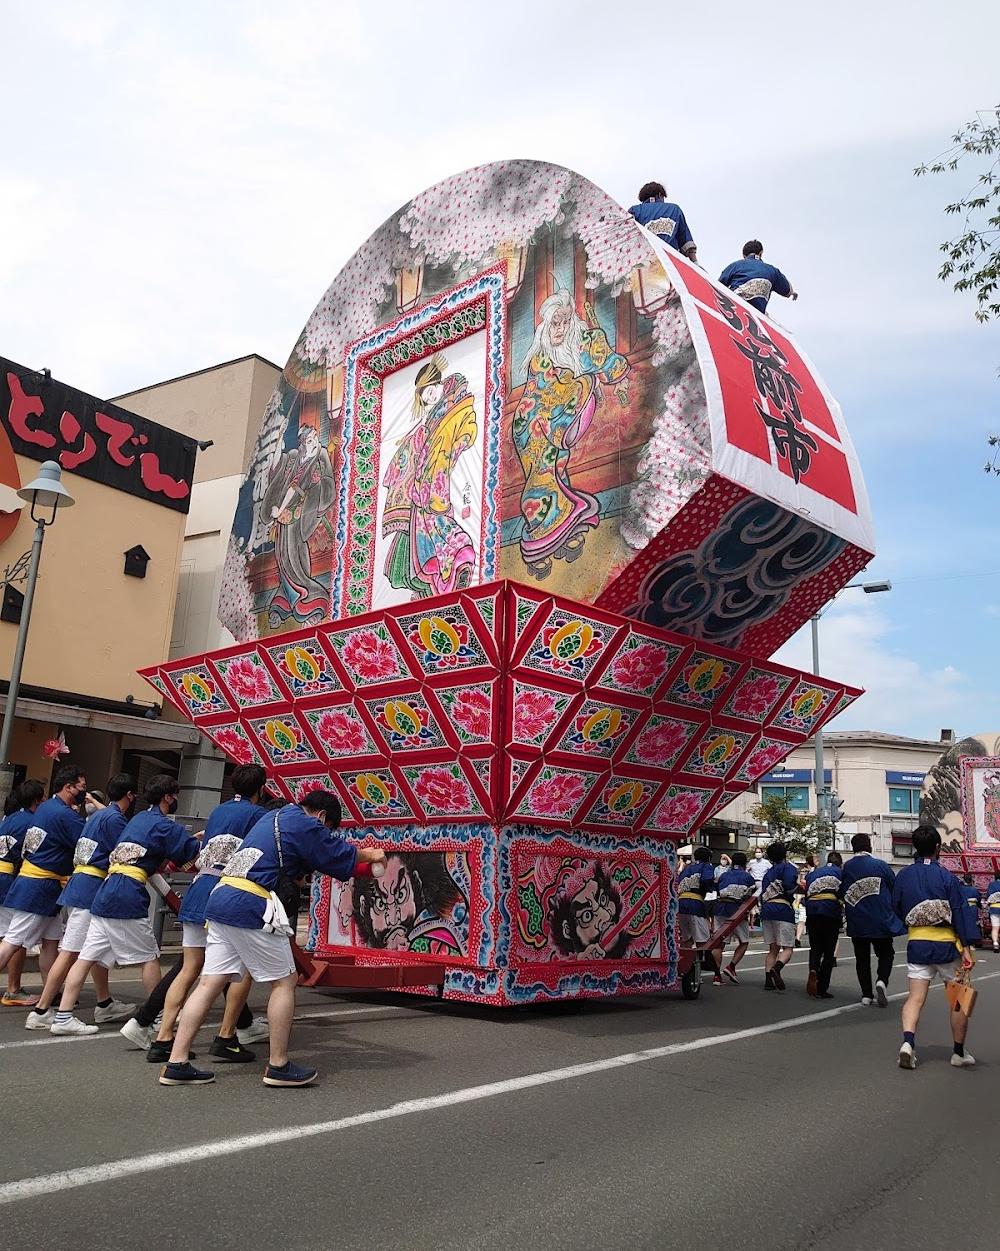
x: 90, y: 809
x: 172, y: 805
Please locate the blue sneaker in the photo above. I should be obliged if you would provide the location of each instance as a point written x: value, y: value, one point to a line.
x: 288, y: 1075
x: 185, y: 1075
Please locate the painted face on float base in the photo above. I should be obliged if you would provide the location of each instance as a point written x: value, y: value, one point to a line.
x: 594, y: 913
x: 393, y: 905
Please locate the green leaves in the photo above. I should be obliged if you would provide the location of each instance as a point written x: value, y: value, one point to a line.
x: 973, y: 262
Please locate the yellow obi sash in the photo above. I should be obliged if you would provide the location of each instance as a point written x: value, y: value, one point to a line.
x: 6, y: 866
x: 691, y: 894
x: 933, y: 934
x: 823, y: 894
x: 32, y: 870
x: 132, y: 871
x: 90, y: 870
x: 244, y: 883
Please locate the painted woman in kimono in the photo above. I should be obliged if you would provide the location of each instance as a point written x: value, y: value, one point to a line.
x: 430, y: 553
x: 566, y: 364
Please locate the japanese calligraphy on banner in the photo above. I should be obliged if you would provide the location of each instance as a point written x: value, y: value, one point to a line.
x: 775, y: 427
x: 47, y: 420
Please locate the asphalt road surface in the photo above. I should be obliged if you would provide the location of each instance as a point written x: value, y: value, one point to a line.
x: 749, y: 1120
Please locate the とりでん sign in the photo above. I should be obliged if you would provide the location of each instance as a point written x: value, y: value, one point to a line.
x: 48, y: 420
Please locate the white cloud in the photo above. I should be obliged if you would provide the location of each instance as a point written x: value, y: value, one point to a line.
x: 901, y: 695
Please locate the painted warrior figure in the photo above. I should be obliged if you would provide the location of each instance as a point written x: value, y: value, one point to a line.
x: 298, y: 495
x: 431, y: 553
x: 566, y: 364
x: 584, y: 912
x: 412, y: 907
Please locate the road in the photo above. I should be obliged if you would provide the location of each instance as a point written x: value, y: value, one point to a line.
x: 746, y: 1119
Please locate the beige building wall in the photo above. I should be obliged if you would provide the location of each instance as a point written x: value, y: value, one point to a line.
x: 196, y: 625
x: 91, y: 626
x: 223, y: 403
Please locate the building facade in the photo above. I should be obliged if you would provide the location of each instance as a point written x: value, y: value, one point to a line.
x: 877, y: 776
x: 222, y: 405
x: 107, y: 582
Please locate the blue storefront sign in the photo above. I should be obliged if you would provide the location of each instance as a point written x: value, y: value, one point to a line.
x: 894, y: 777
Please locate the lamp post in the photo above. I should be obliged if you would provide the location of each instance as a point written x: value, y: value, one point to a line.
x: 819, y: 773
x: 46, y: 495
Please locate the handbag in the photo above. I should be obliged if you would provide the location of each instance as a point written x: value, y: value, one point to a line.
x: 961, y: 993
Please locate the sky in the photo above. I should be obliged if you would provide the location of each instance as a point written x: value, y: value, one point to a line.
x: 183, y: 181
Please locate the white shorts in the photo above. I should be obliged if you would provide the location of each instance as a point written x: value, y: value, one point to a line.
x: 5, y: 916
x: 780, y: 933
x: 692, y: 929
x: 112, y: 941
x: 928, y: 972
x: 236, y: 951
x: 193, y: 935
x: 740, y: 935
x: 77, y: 925
x: 28, y: 929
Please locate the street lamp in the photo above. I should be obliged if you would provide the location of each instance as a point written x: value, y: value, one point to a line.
x: 46, y: 495
x: 819, y: 775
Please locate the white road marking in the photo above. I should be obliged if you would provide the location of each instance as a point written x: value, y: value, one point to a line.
x: 113, y: 1170
x: 47, y: 1040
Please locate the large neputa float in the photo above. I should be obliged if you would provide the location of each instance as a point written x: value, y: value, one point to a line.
x: 533, y: 502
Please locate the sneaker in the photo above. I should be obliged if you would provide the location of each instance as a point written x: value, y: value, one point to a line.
x: 289, y: 1075
x: 824, y: 994
x: 717, y: 980
x: 769, y: 982
x: 866, y: 1002
x: 256, y: 1031
x: 116, y: 1010
x: 730, y: 972
x: 159, y: 1052
x: 962, y: 1062
x: 812, y: 982
x: 185, y: 1075
x: 73, y: 1026
x: 779, y: 981
x: 140, y: 1036
x: 881, y: 998
x: 908, y: 1057
x: 18, y: 999
x: 996, y: 950
x: 231, y: 1050
x: 40, y: 1020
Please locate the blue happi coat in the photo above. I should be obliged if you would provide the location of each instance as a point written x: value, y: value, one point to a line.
x: 49, y: 845
x: 306, y: 845
x: 929, y: 900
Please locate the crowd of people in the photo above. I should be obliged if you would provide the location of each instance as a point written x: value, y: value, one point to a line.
x: 938, y: 913
x: 74, y: 887
x: 751, y: 277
